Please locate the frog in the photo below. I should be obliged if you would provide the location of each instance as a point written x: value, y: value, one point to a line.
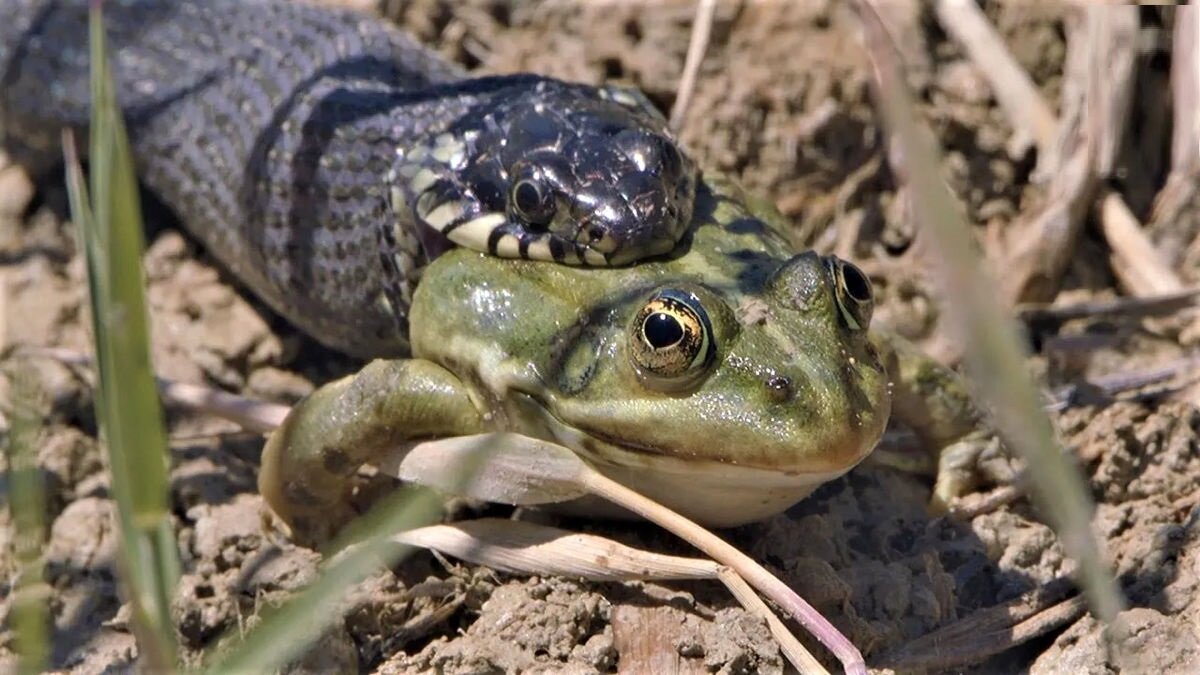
x: 726, y: 380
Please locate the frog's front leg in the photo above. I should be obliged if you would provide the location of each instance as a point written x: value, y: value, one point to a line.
x: 935, y: 402
x: 308, y: 462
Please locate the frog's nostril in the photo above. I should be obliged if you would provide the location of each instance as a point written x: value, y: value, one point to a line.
x: 856, y: 283
x: 779, y: 388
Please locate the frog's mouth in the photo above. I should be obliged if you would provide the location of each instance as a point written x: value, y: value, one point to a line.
x: 713, y: 493
x: 538, y: 417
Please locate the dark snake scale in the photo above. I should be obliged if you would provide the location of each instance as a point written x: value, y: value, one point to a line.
x: 325, y: 158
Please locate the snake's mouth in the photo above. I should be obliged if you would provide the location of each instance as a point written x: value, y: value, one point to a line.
x: 495, y: 234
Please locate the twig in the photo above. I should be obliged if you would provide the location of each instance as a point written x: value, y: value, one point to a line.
x: 1174, y: 236
x: 1110, y: 385
x: 697, y: 46
x: 1185, y: 86
x: 1157, y: 305
x: 524, y: 471
x: 1016, y: 93
x: 526, y: 548
x: 723, y: 552
x: 257, y: 416
x: 1097, y: 89
x: 989, y: 631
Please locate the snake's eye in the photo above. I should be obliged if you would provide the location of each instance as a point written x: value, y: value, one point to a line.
x: 532, y: 201
x: 671, y: 341
x: 854, y: 297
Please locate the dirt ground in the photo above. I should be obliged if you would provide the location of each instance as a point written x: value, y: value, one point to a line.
x: 784, y: 104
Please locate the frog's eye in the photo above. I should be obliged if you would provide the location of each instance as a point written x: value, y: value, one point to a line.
x: 532, y: 200
x: 854, y: 297
x: 671, y: 341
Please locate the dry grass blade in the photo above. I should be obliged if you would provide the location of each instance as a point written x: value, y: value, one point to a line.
x: 1185, y: 86
x: 127, y: 402
x: 697, y: 46
x: 526, y: 548
x: 1045, y: 316
x: 1137, y: 263
x: 518, y: 469
x: 721, y: 551
x: 1175, y: 230
x: 257, y: 416
x: 1111, y: 43
x: 989, y: 632
x: 1098, y: 84
x: 1170, y: 377
x: 994, y: 357
x: 1041, y: 247
x: 1015, y: 92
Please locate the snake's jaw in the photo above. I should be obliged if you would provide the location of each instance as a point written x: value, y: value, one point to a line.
x: 644, y: 215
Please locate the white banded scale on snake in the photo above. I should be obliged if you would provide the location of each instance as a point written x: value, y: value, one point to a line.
x: 325, y: 158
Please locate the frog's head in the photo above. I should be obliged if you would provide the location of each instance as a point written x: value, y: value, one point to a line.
x: 751, y: 398
x: 727, y: 382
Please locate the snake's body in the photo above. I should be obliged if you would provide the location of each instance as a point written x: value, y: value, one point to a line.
x: 278, y: 133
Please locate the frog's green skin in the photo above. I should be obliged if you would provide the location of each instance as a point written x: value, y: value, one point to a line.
x: 795, y: 392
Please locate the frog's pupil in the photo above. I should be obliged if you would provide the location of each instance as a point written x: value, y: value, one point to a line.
x: 662, y: 330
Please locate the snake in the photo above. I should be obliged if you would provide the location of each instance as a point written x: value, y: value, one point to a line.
x: 325, y: 157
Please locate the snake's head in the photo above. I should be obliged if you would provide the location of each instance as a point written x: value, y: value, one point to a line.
x: 561, y: 172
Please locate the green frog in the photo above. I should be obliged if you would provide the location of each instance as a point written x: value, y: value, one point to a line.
x: 726, y: 380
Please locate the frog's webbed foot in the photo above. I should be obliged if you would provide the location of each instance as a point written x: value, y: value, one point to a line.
x: 936, y: 404
x: 309, y: 463
x: 958, y: 469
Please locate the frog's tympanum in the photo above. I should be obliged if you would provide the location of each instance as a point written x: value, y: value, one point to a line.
x: 726, y: 380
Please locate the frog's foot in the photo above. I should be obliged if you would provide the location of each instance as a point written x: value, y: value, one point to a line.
x: 958, y: 469
x: 309, y: 463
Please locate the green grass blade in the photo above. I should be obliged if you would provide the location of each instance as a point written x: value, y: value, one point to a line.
x: 993, y: 352
x: 127, y: 402
x: 30, y: 614
x: 292, y: 628
x: 365, y: 546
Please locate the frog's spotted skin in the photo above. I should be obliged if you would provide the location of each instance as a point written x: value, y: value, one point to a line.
x: 726, y: 381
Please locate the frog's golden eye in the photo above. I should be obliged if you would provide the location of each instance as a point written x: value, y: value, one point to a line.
x: 671, y: 341
x: 854, y: 297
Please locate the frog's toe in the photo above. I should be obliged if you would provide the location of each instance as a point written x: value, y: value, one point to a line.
x: 958, y: 470
x: 311, y: 529
x: 313, y: 504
